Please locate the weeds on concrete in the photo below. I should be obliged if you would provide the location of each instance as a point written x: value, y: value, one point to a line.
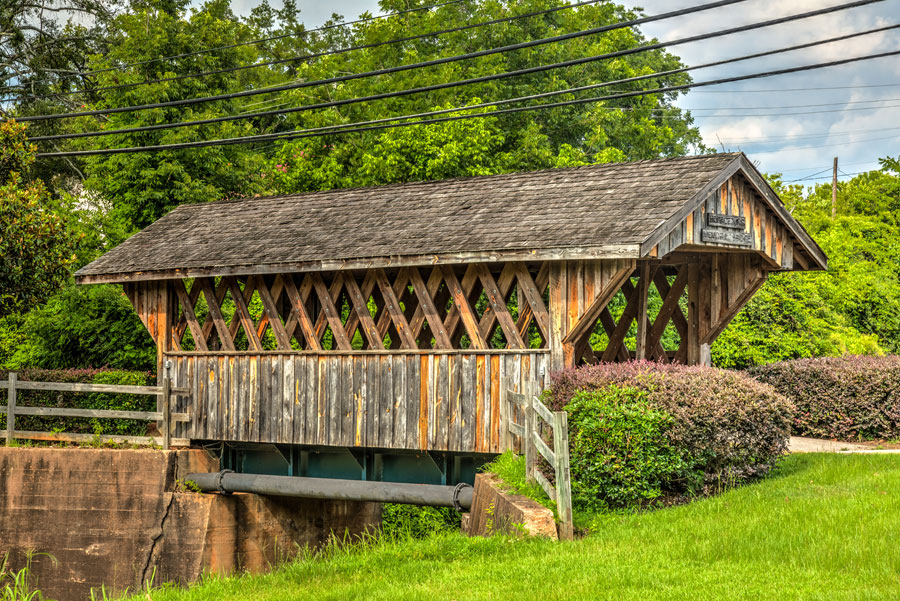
x: 20, y: 585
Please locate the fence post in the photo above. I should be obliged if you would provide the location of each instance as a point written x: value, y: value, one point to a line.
x: 11, y: 407
x: 530, y: 450
x: 563, y: 479
x: 167, y: 406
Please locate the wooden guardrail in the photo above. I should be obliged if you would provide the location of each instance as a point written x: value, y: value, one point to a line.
x: 538, y: 419
x: 165, y: 392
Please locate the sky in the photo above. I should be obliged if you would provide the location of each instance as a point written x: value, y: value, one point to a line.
x: 794, y: 124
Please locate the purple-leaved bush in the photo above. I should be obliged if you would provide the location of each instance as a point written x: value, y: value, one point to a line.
x: 736, y: 427
x: 845, y: 398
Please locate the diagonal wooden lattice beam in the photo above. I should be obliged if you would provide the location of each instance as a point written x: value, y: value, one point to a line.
x: 463, y: 310
x: 215, y: 318
x: 497, y: 302
x: 629, y: 289
x: 242, y: 314
x: 427, y: 309
x: 503, y: 285
x: 331, y: 315
x: 392, y: 306
x: 671, y: 296
x: 578, y: 339
x: 359, y: 300
x: 271, y: 316
x: 531, y: 301
x: 182, y: 324
x: 188, y: 316
x: 299, y: 316
x: 677, y: 315
x: 454, y: 318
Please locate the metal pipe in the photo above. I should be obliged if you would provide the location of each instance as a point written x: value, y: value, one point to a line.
x: 459, y: 496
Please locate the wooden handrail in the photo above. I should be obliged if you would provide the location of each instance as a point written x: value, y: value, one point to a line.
x: 558, y: 457
x: 166, y: 391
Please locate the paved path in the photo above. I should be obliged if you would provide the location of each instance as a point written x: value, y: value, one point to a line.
x: 800, y: 444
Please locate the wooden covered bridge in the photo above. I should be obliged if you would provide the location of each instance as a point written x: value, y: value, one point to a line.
x: 374, y: 332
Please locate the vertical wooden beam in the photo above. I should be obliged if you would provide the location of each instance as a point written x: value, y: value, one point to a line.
x: 693, y: 339
x: 11, y: 379
x: 642, y: 320
x: 558, y: 310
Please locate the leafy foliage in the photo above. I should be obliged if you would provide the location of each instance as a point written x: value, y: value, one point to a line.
x: 685, y: 429
x: 852, y: 308
x: 844, y: 398
x: 621, y: 454
x: 35, y: 251
x: 83, y: 327
x: 411, y: 521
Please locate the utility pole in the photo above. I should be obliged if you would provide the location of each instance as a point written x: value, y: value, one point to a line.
x: 834, y: 190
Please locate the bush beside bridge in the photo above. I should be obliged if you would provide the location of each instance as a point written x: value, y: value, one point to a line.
x: 643, y: 433
x: 845, y: 398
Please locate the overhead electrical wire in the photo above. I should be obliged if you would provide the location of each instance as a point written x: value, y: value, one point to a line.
x: 263, y: 40
x: 313, y: 55
x: 496, y: 76
x: 379, y: 125
x: 419, y: 65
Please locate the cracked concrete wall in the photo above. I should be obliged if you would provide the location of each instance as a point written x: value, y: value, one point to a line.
x: 113, y: 517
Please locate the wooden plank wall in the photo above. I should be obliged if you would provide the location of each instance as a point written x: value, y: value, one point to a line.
x: 735, y: 197
x: 452, y: 401
x: 574, y: 286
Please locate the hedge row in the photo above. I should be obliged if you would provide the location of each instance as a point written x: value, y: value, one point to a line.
x: 642, y: 431
x: 80, y: 400
x: 846, y: 398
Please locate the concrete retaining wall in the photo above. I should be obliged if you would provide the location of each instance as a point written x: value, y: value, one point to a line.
x: 495, y: 510
x: 118, y: 518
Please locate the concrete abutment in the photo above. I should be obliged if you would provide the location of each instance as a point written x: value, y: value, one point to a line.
x: 117, y: 518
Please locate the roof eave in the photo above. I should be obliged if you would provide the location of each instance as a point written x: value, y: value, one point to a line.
x: 610, y: 251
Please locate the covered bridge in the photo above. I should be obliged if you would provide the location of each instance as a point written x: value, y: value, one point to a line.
x: 363, y: 331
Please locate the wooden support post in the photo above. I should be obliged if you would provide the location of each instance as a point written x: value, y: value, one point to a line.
x: 563, y: 478
x: 167, y: 405
x: 530, y: 418
x: 693, y: 338
x: 11, y: 407
x: 642, y: 322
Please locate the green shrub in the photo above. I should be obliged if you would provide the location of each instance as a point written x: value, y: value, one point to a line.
x: 621, y: 451
x: 81, y: 400
x: 411, y: 521
x: 668, y: 430
x: 83, y: 327
x: 845, y: 398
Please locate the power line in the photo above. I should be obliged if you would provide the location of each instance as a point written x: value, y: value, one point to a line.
x: 314, y: 55
x: 380, y: 125
x: 808, y: 89
x: 419, y: 65
x: 832, y: 145
x: 800, y: 136
x: 496, y: 76
x: 268, y: 39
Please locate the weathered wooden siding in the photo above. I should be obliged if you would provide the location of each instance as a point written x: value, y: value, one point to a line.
x: 736, y: 197
x: 451, y: 401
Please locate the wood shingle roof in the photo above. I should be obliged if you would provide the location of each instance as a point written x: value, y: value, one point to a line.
x: 593, y: 211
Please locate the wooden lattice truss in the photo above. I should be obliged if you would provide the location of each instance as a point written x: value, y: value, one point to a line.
x: 698, y: 295
x: 410, y: 308
x: 556, y: 305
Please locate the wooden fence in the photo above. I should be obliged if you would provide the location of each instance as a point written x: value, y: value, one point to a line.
x: 538, y: 419
x: 164, y: 415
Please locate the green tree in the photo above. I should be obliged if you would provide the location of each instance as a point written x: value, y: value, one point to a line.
x: 35, y: 251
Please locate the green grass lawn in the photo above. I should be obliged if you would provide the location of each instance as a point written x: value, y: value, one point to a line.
x: 822, y: 527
